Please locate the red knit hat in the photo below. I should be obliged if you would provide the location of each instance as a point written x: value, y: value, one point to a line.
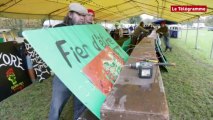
x: 164, y: 22
x: 91, y: 11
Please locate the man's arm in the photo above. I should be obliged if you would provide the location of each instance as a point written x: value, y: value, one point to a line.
x: 143, y: 30
x: 159, y: 31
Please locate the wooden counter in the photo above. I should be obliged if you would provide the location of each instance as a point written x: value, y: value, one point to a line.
x: 133, y: 98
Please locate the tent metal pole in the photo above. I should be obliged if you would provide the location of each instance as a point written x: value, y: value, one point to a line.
x: 181, y: 31
x: 211, y: 50
x: 49, y: 21
x: 196, y: 46
x: 48, y: 17
x: 186, y: 32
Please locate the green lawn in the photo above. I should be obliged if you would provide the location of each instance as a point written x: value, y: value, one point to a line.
x: 188, y: 86
x: 32, y: 103
x: 204, y: 42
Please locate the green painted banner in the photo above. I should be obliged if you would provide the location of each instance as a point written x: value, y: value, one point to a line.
x: 69, y: 50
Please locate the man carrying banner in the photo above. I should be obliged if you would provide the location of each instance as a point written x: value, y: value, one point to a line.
x: 60, y: 93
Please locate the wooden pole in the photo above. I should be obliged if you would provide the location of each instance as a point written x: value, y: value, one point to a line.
x: 181, y: 31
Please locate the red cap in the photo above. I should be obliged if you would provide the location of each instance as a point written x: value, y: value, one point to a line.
x: 163, y: 22
x: 91, y: 11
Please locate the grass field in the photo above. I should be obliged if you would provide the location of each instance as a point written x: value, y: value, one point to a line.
x: 188, y: 86
x: 204, y: 43
x: 32, y: 103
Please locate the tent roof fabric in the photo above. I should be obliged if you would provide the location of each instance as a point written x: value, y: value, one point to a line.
x: 106, y: 10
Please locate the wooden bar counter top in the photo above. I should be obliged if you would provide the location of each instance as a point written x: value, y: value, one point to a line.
x: 134, y: 98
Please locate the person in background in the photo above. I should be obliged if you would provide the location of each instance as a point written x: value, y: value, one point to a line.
x: 60, y: 93
x: 116, y: 33
x: 164, y: 32
x: 89, y: 18
x: 131, y: 29
x: 135, y: 36
x: 112, y: 33
x: 121, y: 32
x: 28, y: 64
x: 138, y: 31
x: 30, y: 69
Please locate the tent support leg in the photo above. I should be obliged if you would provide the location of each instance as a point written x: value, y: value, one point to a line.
x: 211, y: 50
x: 186, y: 32
x: 196, y: 46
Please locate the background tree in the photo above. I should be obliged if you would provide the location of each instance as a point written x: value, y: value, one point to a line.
x: 209, y: 21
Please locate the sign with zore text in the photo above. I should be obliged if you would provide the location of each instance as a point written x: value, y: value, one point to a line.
x: 13, y: 73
